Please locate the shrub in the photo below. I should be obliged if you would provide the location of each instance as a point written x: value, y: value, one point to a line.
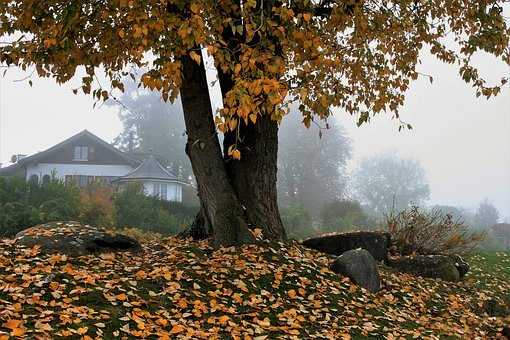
x: 430, y: 232
x: 134, y: 209
x: 25, y: 204
x: 297, y: 222
x: 96, y: 205
x: 344, y: 215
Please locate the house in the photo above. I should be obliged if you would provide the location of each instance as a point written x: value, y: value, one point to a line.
x: 85, y: 158
x: 156, y: 180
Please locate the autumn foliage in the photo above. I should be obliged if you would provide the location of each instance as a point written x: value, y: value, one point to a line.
x: 415, y: 231
x: 360, y: 56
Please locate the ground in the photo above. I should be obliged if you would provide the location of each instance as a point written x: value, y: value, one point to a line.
x: 175, y: 288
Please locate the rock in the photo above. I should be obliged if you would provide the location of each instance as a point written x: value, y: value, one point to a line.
x: 376, y: 243
x: 74, y: 239
x: 431, y: 266
x: 360, y: 266
x: 461, y: 265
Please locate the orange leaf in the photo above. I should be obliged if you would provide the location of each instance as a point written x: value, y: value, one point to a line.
x: 177, y: 329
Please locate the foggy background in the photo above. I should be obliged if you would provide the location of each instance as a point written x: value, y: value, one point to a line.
x: 462, y: 142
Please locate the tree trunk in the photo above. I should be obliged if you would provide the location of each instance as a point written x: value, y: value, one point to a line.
x: 254, y: 175
x: 221, y: 207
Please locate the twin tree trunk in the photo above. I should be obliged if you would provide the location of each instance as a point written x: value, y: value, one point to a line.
x: 235, y: 196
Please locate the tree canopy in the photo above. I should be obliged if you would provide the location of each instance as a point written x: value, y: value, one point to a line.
x: 356, y: 55
x: 359, y: 55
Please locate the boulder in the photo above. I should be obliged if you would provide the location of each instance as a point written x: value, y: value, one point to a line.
x: 74, y: 239
x: 445, y: 267
x: 360, y: 266
x: 461, y: 265
x: 375, y: 242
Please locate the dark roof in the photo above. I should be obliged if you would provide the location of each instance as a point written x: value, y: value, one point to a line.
x: 12, y: 169
x: 150, y: 169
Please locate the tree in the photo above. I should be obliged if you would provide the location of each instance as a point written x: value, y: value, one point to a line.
x: 457, y: 213
x: 311, y: 169
x: 151, y: 125
x: 359, y: 56
x: 486, y: 215
x: 387, y: 183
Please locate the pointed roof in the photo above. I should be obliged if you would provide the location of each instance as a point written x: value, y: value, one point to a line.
x: 40, y: 155
x: 150, y: 169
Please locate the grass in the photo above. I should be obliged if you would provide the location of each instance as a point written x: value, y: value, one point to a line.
x: 184, y: 289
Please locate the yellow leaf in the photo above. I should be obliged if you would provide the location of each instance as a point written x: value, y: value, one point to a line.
x: 12, y: 324
x: 195, y: 56
x: 236, y: 154
x: 232, y: 124
x: 253, y: 118
x: 237, y: 69
x: 121, y: 297
x: 292, y: 294
x: 223, y: 319
x: 82, y: 330
x: 177, y: 329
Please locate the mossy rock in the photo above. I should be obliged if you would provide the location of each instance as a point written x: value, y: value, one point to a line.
x: 375, y: 242
x: 432, y: 266
x: 74, y: 239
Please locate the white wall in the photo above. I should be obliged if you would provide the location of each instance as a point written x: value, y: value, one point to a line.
x: 173, y: 190
x: 61, y: 170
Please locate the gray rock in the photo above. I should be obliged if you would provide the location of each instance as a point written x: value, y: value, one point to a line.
x: 461, y: 265
x: 377, y: 243
x: 74, y: 239
x: 432, y: 266
x: 360, y: 266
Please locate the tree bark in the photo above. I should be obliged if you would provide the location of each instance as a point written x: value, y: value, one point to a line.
x: 221, y: 207
x: 254, y: 175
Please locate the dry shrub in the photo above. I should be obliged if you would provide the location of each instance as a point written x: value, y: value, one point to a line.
x: 96, y: 205
x: 415, y: 231
x: 140, y: 235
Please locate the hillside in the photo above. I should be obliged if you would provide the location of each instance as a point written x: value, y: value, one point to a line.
x: 175, y: 288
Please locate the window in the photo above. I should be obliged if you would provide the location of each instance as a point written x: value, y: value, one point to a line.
x: 69, y: 180
x: 163, y: 191
x: 81, y: 153
x: 159, y: 190
x: 155, y: 189
x: 34, y: 179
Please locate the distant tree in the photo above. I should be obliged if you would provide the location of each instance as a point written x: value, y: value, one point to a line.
x: 151, y: 125
x: 456, y: 213
x: 387, y: 182
x: 311, y: 170
x: 486, y: 215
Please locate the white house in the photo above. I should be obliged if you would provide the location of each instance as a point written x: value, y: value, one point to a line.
x: 85, y: 158
x: 156, y: 180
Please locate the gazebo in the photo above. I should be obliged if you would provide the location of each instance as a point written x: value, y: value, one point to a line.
x: 155, y: 179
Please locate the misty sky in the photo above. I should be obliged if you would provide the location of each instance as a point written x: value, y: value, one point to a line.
x: 462, y: 142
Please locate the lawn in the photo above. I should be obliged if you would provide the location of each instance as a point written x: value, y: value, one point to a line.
x: 176, y: 288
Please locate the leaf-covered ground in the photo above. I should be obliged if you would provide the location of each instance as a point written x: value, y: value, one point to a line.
x: 184, y: 289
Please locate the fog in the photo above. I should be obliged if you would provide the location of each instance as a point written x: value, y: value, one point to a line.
x: 462, y: 142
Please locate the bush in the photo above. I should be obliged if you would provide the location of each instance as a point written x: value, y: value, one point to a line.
x: 25, y: 204
x: 96, y: 205
x: 430, y: 232
x: 344, y: 215
x: 297, y: 222
x: 134, y: 209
